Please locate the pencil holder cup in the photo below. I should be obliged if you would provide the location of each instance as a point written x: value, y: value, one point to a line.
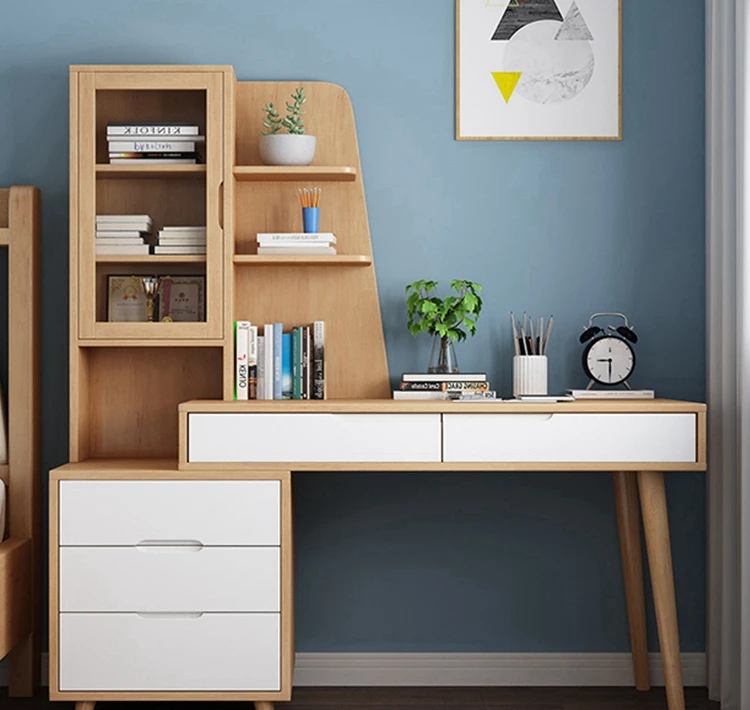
x: 310, y: 218
x: 529, y: 374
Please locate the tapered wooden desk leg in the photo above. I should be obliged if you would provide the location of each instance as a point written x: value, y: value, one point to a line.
x: 629, y: 527
x: 85, y: 705
x: 656, y: 528
x: 259, y: 705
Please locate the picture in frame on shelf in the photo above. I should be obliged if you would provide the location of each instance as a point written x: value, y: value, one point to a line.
x: 538, y: 70
x: 126, y: 300
x: 182, y: 299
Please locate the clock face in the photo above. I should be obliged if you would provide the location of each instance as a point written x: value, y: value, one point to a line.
x: 609, y: 360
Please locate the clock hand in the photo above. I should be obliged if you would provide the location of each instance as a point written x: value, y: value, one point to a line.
x: 610, y: 369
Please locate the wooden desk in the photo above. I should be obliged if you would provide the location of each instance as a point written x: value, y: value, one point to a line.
x: 263, y: 442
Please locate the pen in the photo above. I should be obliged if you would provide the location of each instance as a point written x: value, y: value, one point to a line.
x: 540, y: 336
x: 523, y: 338
x: 514, y: 333
x: 547, y: 334
x: 531, y: 333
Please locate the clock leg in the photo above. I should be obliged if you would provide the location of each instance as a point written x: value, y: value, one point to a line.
x: 629, y: 528
x: 85, y: 705
x: 263, y: 705
x: 656, y: 528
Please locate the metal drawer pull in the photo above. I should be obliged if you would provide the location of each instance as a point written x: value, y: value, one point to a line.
x: 170, y: 545
x: 169, y: 614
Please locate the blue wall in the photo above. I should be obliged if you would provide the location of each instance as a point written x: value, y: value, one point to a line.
x: 481, y: 562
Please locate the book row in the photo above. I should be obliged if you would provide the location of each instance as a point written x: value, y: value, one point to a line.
x: 151, y: 143
x: 304, y: 243
x: 132, y: 234
x: 456, y: 386
x: 274, y: 364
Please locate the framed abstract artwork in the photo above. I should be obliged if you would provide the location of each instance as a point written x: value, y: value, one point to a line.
x: 538, y: 70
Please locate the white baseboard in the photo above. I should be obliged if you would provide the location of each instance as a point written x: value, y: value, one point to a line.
x: 472, y: 669
x: 484, y: 669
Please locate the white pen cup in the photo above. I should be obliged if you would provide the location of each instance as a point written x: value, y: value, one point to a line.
x: 529, y: 374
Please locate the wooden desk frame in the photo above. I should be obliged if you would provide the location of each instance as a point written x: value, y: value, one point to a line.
x: 638, y: 488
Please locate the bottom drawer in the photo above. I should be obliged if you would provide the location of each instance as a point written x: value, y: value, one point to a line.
x: 170, y: 652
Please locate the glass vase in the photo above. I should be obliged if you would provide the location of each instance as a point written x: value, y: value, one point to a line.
x: 443, y: 359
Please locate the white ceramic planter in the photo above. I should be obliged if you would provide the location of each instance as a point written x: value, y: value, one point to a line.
x: 286, y: 149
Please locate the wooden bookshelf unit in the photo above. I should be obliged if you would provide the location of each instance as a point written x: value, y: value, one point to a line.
x: 127, y: 379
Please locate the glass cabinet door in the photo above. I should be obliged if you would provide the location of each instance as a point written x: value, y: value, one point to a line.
x: 146, y: 218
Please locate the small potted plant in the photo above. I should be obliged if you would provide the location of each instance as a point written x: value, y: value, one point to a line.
x: 293, y: 147
x: 447, y: 319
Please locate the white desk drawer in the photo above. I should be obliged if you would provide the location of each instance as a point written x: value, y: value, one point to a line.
x: 151, y: 579
x: 162, y: 652
x: 569, y: 438
x: 133, y: 512
x: 247, y: 437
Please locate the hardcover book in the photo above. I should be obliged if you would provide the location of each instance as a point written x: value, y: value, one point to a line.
x: 268, y: 346
x: 150, y: 128
x: 318, y: 367
x: 261, y: 367
x: 286, y: 366
x: 278, y: 332
x: 241, y: 340
x: 441, y: 377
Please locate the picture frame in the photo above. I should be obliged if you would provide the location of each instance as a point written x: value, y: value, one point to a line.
x: 182, y: 299
x: 126, y: 301
x: 538, y: 70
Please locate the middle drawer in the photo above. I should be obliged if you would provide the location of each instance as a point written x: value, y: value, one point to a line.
x: 170, y: 578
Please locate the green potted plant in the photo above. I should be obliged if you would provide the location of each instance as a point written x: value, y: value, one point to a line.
x: 446, y: 319
x: 292, y: 146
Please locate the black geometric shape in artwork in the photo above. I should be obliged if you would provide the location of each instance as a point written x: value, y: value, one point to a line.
x: 527, y: 11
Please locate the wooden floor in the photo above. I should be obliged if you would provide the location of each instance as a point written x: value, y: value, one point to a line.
x: 425, y: 699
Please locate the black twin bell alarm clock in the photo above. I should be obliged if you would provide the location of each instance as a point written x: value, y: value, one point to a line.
x: 608, y: 358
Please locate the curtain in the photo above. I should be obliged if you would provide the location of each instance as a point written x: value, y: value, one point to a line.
x: 728, y: 344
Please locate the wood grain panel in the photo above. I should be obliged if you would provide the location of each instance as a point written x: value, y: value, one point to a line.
x: 15, y: 601
x: 134, y: 393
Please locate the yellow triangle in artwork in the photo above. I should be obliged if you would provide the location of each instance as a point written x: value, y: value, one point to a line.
x: 506, y: 81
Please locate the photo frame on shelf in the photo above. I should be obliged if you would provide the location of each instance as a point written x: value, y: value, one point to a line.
x: 538, y: 69
x: 183, y: 299
x: 126, y: 300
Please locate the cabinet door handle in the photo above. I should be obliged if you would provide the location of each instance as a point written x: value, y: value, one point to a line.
x: 170, y: 545
x: 169, y: 614
x: 220, y: 206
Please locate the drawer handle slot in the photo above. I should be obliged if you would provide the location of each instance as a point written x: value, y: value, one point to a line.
x: 545, y: 417
x: 169, y: 615
x: 169, y: 545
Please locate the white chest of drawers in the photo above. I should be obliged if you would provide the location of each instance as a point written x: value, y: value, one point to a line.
x: 164, y: 583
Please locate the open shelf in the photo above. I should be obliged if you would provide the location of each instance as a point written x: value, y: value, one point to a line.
x: 295, y: 259
x: 107, y: 171
x: 151, y: 258
x: 295, y: 172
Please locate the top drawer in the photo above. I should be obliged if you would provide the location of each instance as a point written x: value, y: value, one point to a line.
x: 206, y: 512
x: 570, y: 438
x: 257, y: 438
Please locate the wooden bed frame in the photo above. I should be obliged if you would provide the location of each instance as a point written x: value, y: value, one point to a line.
x: 19, y: 554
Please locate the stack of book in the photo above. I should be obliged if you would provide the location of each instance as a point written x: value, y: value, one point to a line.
x: 181, y: 240
x: 123, y: 234
x: 463, y: 387
x: 153, y: 143
x: 301, y: 243
x: 279, y: 365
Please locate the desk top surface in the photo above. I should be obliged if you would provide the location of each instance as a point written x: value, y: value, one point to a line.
x: 389, y: 406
